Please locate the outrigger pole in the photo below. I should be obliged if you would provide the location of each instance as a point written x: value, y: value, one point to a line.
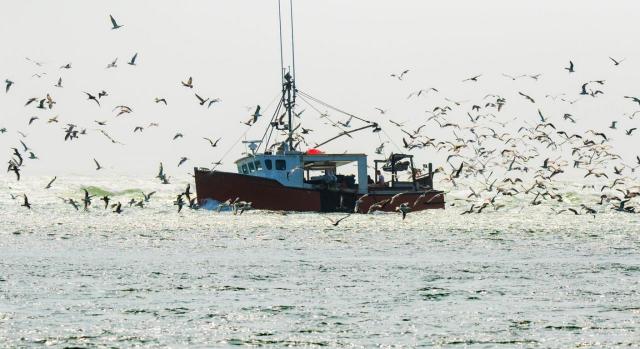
x: 348, y: 133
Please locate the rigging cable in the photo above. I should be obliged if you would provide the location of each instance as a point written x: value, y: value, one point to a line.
x: 332, y: 107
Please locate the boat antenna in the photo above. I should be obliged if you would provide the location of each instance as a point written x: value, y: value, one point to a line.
x: 281, y: 49
x: 293, y: 51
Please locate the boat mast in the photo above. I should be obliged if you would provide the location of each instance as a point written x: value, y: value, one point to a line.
x: 288, y: 77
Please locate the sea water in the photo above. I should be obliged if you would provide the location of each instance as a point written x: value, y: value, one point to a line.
x: 520, y: 276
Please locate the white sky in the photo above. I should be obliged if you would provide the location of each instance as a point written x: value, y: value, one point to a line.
x: 345, y: 51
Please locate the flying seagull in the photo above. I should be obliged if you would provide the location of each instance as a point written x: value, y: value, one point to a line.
x: 92, y: 97
x: 133, y: 59
x: 113, y: 64
x: 615, y: 61
x: 473, y: 78
x: 50, y: 182
x: 570, y: 68
x: 26, y: 202
x: 114, y: 23
x: 189, y: 83
x: 8, y: 85
x: 213, y: 144
x: 202, y: 101
x: 635, y: 99
x: 98, y: 166
x: 401, y: 75
x: 337, y: 221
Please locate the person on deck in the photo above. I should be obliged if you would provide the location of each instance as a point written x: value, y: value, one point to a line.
x: 380, y: 179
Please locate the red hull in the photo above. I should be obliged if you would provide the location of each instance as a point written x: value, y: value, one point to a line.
x: 269, y: 194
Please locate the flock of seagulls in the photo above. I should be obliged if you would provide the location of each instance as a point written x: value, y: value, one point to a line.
x: 499, y: 159
x: 482, y: 147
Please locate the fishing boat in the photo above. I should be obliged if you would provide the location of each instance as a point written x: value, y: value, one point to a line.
x: 280, y: 175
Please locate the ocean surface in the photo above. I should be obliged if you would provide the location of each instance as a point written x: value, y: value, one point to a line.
x: 518, y: 277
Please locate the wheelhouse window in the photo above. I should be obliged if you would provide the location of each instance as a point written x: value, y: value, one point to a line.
x: 258, y: 165
x: 268, y: 164
x: 281, y: 165
x: 244, y: 169
x: 252, y: 167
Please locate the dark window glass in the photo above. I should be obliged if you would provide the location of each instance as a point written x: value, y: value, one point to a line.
x: 251, y: 167
x: 268, y: 164
x: 258, y: 165
x: 281, y: 165
x: 244, y: 169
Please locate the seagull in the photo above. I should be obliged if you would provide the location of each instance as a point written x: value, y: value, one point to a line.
x: 202, y: 101
x: 161, y: 100
x: 71, y: 202
x: 187, y: 192
x: 570, y: 68
x: 401, y: 75
x: 347, y: 123
x: 616, y: 62
x: 469, y: 211
x: 179, y: 202
x: 213, y: 144
x: 213, y: 101
x: 527, y: 97
x: 239, y: 207
x: 473, y: 78
x: 182, y: 160
x: 336, y: 222
x: 382, y: 111
x: 106, y: 200
x: 133, y: 59
x: 26, y: 202
x: 87, y: 199
x: 356, y: 208
x: 66, y: 66
x: 113, y: 64
x: 584, y: 89
x: 114, y: 24
x: 118, y: 208
x: 50, y: 183
x: 635, y: 99
x: 514, y: 78
x: 123, y: 109
x: 629, y: 131
x: 162, y: 176
x: 98, y: 166
x: 404, y: 209
x: 189, y: 83
x: 256, y: 114
x: 8, y: 84
x: 147, y: 196
x: 178, y: 135
x: 15, y: 168
x: 92, y: 97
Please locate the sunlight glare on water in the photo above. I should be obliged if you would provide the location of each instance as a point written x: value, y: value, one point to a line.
x: 152, y: 277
